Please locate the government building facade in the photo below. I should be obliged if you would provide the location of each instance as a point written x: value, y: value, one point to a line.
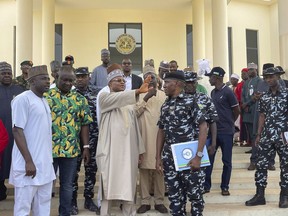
x: 227, y: 33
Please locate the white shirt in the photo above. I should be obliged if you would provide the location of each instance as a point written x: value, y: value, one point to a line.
x: 33, y: 115
x: 128, y: 82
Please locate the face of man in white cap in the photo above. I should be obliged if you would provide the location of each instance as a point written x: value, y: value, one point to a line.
x: 234, y: 79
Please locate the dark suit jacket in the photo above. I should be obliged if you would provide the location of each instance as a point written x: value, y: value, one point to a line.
x: 136, y: 81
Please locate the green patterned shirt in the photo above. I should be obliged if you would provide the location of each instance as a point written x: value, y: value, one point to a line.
x: 69, y: 113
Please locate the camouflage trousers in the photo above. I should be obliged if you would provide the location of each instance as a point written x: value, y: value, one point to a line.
x: 90, y: 175
x: 265, y: 150
x: 182, y: 185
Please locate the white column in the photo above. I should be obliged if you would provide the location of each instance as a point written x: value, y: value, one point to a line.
x: 48, y: 31
x: 24, y: 32
x: 198, y: 30
x: 220, y: 34
x: 283, y: 34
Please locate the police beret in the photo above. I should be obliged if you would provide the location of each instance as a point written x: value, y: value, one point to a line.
x: 190, y: 76
x: 177, y: 75
x: 271, y: 71
x: 267, y: 65
x: 29, y: 63
x: 82, y: 70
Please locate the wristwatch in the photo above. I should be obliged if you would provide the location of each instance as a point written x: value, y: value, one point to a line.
x: 200, y: 154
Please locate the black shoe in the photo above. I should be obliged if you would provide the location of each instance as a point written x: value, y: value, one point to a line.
x: 143, y: 208
x: 283, y: 202
x: 251, y: 166
x: 271, y: 167
x: 225, y: 192
x: 98, y: 211
x: 248, y: 152
x: 3, y: 196
x: 74, y: 209
x: 161, y: 208
x: 206, y: 190
x: 90, y: 205
x: 256, y: 200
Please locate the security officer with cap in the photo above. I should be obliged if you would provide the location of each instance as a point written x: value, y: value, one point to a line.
x: 272, y: 135
x: 206, y: 105
x: 178, y: 120
x: 22, y: 79
x: 82, y: 87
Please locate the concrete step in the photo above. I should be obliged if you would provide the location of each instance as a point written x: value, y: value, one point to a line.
x: 230, y: 209
x: 242, y: 188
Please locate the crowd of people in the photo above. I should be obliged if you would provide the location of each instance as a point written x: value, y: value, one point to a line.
x: 123, y: 125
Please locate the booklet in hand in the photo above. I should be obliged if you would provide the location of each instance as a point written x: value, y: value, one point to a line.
x: 184, y: 152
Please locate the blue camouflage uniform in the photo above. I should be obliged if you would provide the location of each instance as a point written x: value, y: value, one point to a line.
x: 178, y: 119
x: 275, y: 109
x: 207, y: 107
x: 91, y: 168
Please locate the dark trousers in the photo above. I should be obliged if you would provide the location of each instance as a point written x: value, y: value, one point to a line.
x: 90, y: 175
x: 225, y: 142
x: 67, y: 170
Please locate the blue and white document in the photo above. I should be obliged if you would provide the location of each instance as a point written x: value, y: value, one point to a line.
x: 184, y: 152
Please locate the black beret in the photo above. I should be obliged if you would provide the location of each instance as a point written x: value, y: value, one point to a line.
x: 82, y: 70
x: 178, y: 75
x: 29, y: 63
x: 267, y: 65
x: 271, y: 71
x: 190, y: 76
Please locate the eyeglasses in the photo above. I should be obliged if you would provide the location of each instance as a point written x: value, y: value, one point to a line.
x: 119, y: 80
x: 126, y: 63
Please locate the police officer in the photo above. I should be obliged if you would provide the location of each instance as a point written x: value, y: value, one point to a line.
x: 82, y: 81
x: 207, y: 107
x: 273, y: 109
x: 178, y: 113
x: 22, y: 79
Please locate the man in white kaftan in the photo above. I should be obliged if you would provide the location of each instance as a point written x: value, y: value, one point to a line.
x: 32, y: 171
x: 119, y: 143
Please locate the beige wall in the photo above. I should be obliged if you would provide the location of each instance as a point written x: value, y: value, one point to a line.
x: 7, y: 23
x: 242, y: 16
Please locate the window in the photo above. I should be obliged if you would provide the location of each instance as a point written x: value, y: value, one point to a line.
x: 252, y: 46
x: 135, y: 31
x: 189, y: 44
x: 58, y: 42
x: 230, y: 51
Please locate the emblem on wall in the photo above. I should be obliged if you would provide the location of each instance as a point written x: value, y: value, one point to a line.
x: 125, y: 44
